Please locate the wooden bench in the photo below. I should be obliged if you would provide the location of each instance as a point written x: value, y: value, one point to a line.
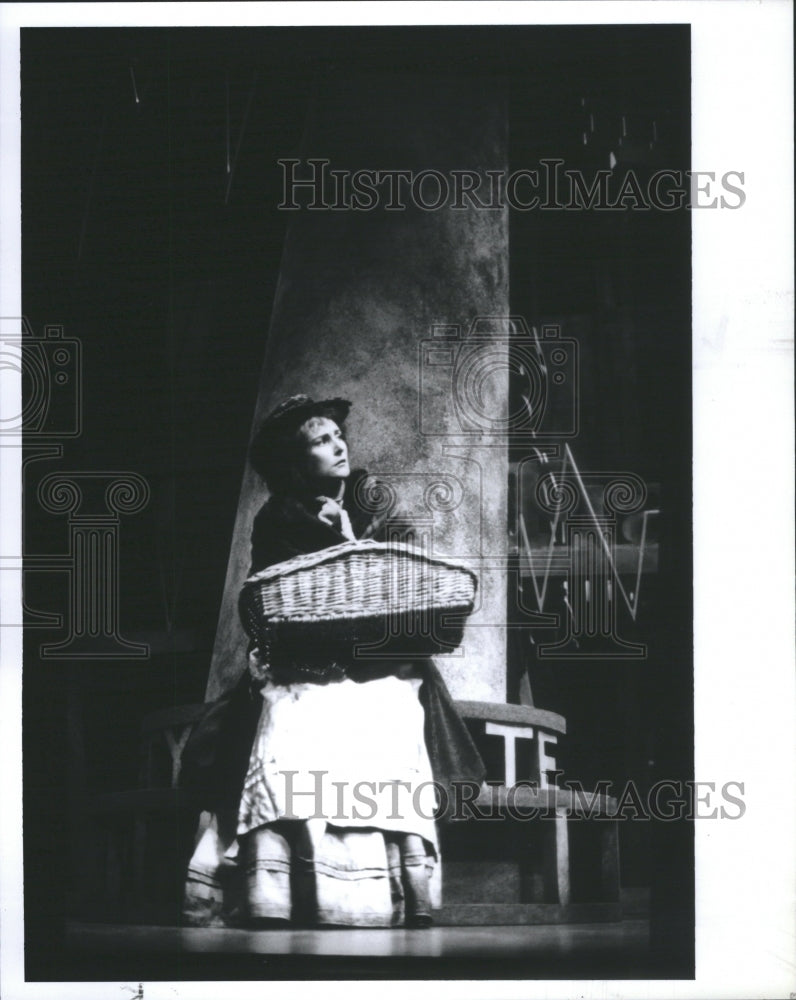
x: 540, y: 812
x: 144, y: 832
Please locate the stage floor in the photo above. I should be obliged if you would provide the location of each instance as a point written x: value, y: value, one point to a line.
x: 598, y: 950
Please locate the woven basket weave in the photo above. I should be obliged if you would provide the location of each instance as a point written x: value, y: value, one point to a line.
x: 361, y: 592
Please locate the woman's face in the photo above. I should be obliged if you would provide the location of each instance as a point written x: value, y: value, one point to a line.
x: 325, y: 450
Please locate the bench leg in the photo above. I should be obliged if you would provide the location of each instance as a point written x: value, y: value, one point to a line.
x: 556, y: 858
x: 609, y: 860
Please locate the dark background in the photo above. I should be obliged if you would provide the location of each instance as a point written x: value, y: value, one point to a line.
x: 140, y: 243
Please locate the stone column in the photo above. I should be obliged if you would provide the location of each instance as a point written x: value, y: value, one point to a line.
x: 360, y: 292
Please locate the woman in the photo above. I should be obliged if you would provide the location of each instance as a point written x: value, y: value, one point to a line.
x: 330, y: 785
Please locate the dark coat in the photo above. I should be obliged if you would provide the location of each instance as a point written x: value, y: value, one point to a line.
x: 216, y: 756
x: 286, y: 527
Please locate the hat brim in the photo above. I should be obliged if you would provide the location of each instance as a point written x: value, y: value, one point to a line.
x: 336, y: 409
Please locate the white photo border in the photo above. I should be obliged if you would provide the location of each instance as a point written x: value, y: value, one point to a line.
x: 745, y: 690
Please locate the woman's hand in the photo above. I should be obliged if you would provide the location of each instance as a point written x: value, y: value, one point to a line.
x: 333, y: 514
x: 258, y: 669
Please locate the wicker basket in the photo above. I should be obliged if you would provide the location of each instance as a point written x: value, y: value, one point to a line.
x: 388, y: 596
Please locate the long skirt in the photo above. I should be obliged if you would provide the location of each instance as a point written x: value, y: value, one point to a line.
x: 335, y: 825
